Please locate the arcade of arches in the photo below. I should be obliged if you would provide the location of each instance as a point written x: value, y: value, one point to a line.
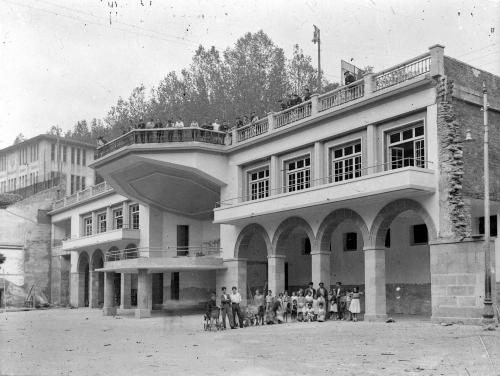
x: 390, y: 262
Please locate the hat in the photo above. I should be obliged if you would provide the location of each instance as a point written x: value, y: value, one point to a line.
x: 321, y: 283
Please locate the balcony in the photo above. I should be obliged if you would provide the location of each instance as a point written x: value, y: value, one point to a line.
x: 402, y: 182
x: 164, y: 259
x: 84, y: 195
x: 102, y: 239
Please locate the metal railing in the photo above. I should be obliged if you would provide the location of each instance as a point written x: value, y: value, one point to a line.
x: 292, y: 114
x: 253, y: 130
x: 168, y: 252
x: 403, y: 72
x: 345, y: 177
x: 163, y: 135
x: 87, y: 193
x: 342, y: 95
x: 125, y: 226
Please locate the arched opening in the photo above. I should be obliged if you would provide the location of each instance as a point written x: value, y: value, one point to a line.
x: 344, y: 233
x: 130, y: 251
x: 294, y: 239
x: 97, y: 284
x: 83, y: 279
x: 404, y: 228
x: 253, y: 244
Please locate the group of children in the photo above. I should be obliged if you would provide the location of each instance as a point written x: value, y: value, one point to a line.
x: 308, y: 305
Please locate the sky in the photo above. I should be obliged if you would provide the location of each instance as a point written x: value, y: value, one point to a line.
x: 66, y: 60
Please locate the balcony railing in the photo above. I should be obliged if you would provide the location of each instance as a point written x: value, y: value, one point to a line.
x: 369, y: 86
x: 252, y: 130
x: 168, y: 252
x: 347, y: 176
x: 402, y: 72
x: 164, y: 135
x: 87, y: 193
x: 342, y: 95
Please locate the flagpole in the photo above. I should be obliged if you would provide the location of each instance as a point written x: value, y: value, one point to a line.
x: 318, y: 39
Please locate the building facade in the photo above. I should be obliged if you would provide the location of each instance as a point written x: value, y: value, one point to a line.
x: 371, y: 185
x: 42, y: 159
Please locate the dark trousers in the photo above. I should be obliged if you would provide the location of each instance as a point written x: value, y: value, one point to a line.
x: 237, y: 311
x: 226, y: 311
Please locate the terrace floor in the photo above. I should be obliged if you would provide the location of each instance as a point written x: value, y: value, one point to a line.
x: 83, y: 342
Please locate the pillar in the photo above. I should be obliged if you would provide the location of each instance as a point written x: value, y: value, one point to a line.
x: 94, y: 289
x: 167, y: 281
x: 315, y: 104
x: 318, y: 176
x: 109, y: 219
x: 320, y: 264
x: 235, y: 274
x: 74, y: 295
x: 144, y: 294
x: 375, y: 301
x: 109, y: 294
x: 371, y: 149
x: 276, y: 273
x: 437, y: 60
x: 125, y: 290
x: 275, y: 175
x: 126, y: 215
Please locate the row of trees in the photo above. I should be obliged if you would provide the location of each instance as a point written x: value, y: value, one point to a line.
x: 250, y: 76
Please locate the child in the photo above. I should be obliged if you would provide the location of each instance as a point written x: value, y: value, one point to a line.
x: 341, y: 302
x: 279, y: 309
x: 321, y: 312
x: 348, y: 314
x: 259, y: 302
x: 309, y: 314
x: 355, y: 306
x: 294, y: 307
x: 286, y: 305
x: 332, y: 305
x: 301, y: 305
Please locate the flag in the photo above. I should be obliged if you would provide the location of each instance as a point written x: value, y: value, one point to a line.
x: 315, y: 35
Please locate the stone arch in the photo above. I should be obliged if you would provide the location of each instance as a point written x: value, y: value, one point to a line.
x: 83, y: 262
x: 97, y: 261
x: 289, y: 225
x: 245, y: 236
x: 333, y: 220
x: 131, y: 251
x: 389, y: 212
x: 83, y: 281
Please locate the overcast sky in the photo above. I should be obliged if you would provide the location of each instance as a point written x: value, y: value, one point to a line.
x: 62, y: 61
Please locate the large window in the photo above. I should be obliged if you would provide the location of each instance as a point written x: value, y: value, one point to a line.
x: 298, y: 173
x: 87, y: 226
x: 101, y: 222
x: 117, y: 218
x: 134, y: 216
x: 258, y: 183
x: 350, y: 241
x: 419, y: 234
x: 346, y: 162
x: 407, y: 147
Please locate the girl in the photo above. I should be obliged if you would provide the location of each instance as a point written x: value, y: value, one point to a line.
x: 321, y: 312
x: 355, y: 306
x: 301, y: 304
x: 332, y: 307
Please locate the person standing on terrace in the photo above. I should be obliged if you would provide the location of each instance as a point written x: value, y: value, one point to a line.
x: 216, y: 125
x: 194, y: 124
x: 349, y: 78
x: 254, y: 118
x: 179, y: 123
x: 246, y: 120
x: 306, y: 94
x: 239, y: 122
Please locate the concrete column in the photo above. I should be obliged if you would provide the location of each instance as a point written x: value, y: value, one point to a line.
x: 275, y: 175
x: 318, y: 171
x: 314, y: 103
x: 320, y: 263
x: 125, y: 287
x: 109, y: 219
x: 94, y: 223
x: 94, y: 289
x: 74, y: 294
x: 276, y: 271
x: 270, y: 120
x: 437, y: 60
x: 109, y: 294
x: 126, y: 215
x: 167, y: 281
x: 369, y: 84
x: 144, y: 294
x: 371, y: 149
x: 234, y: 275
x: 375, y: 301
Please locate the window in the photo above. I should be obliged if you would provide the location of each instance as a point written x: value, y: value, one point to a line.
x: 64, y: 153
x: 87, y: 226
x: 346, y: 162
x: 84, y: 157
x: 72, y: 184
x: 83, y: 183
x: 493, y: 225
x: 78, y: 156
x: 350, y: 241
x: 117, y: 218
x: 406, y: 147
x: 298, y: 173
x: 77, y: 183
x: 101, y: 222
x: 419, y: 234
x: 182, y: 240
x: 72, y: 155
x: 258, y: 183
x: 134, y: 216
x: 52, y: 152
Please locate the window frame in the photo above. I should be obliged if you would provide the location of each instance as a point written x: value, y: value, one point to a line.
x: 101, y: 218
x: 116, y: 218
x: 356, y: 172
x: 264, y: 180
x: 132, y: 212
x: 306, y: 169
x: 87, y: 225
x: 419, y: 143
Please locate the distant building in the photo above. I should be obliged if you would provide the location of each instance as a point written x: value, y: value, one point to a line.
x: 37, y: 163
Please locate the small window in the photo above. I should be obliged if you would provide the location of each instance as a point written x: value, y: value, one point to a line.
x: 493, y: 225
x: 388, y: 239
x: 101, y: 222
x: 118, y: 219
x: 420, y: 235
x: 350, y: 241
x: 306, y: 249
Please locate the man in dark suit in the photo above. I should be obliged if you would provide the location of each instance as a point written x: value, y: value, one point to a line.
x: 322, y: 291
x: 349, y: 77
x: 310, y: 288
x: 338, y: 294
x: 225, y: 303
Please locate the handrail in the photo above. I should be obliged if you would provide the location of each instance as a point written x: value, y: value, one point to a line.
x: 253, y: 129
x: 342, y: 95
x: 80, y: 196
x: 402, y: 72
x: 125, y: 226
x: 298, y: 112
x: 330, y: 179
x: 169, y: 252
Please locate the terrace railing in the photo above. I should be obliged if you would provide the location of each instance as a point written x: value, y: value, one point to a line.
x: 169, y: 252
x: 402, y: 72
x: 87, y: 193
x: 161, y: 136
x: 253, y: 130
x: 342, y: 95
x: 295, y: 113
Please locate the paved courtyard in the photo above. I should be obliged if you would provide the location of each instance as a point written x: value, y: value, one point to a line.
x: 83, y: 342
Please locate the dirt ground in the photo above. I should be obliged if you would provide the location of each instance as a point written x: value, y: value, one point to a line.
x: 83, y: 342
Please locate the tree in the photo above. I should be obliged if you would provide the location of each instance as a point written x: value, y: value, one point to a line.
x: 301, y: 73
x: 19, y: 138
x: 81, y: 132
x: 54, y: 131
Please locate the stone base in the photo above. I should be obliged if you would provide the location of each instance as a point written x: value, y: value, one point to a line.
x: 109, y: 311
x: 142, y: 313
x: 373, y: 318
